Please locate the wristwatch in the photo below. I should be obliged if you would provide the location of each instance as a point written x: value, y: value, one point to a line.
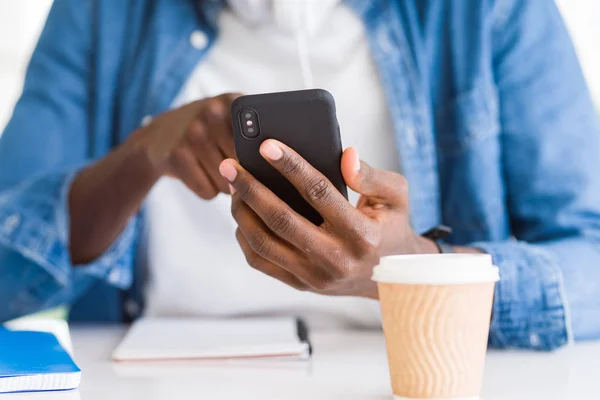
x: 437, y: 234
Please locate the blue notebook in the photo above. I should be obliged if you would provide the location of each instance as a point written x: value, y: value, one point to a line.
x: 33, y: 362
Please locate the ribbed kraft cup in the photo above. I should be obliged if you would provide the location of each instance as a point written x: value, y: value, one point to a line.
x: 436, y: 315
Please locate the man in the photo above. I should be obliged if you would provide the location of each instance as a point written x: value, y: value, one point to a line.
x: 480, y: 105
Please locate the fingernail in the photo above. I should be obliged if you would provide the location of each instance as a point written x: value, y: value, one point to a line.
x: 216, y: 112
x: 357, y: 162
x: 228, y: 171
x: 271, y: 151
x: 231, y: 190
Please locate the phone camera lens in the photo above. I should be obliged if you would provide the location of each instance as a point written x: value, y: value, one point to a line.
x: 248, y: 120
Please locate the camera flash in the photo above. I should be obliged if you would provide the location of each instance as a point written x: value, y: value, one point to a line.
x: 249, y: 123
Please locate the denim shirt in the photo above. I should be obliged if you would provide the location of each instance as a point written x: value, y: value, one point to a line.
x: 493, y: 122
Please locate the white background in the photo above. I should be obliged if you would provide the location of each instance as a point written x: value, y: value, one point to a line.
x: 22, y: 20
x: 20, y: 24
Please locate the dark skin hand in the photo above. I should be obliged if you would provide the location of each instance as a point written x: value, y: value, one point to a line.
x: 336, y: 258
x: 187, y: 143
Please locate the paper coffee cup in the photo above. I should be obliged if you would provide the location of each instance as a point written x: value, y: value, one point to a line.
x: 436, y: 317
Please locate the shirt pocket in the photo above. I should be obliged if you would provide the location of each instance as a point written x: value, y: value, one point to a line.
x: 467, y: 119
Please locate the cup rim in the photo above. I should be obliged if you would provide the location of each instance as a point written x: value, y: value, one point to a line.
x: 440, y: 255
x: 436, y: 269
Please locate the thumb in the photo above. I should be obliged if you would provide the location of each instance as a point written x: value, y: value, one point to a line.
x: 386, y: 186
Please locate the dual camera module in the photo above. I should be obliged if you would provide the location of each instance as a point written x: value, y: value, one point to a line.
x: 249, y: 122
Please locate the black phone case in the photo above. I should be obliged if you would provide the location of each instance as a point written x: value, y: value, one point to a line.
x: 304, y: 120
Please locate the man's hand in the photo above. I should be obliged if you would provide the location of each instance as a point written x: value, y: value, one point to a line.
x: 187, y: 143
x: 190, y: 142
x: 336, y: 258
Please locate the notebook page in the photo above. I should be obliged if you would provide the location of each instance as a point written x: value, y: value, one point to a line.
x: 210, y: 338
x: 45, y: 382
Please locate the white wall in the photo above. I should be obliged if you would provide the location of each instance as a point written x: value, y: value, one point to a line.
x: 583, y: 19
x: 20, y: 25
x: 22, y: 20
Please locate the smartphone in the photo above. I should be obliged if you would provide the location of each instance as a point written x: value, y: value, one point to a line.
x: 304, y: 120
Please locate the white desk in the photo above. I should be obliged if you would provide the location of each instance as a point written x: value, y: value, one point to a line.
x: 344, y: 366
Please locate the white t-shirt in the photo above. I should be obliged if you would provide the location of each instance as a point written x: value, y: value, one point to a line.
x: 196, y: 265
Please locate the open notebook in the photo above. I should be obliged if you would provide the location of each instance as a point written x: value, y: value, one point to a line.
x: 185, y: 339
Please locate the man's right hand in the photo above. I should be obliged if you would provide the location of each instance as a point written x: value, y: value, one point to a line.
x: 190, y: 142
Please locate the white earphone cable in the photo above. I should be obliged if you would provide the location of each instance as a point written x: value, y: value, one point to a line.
x: 304, y: 57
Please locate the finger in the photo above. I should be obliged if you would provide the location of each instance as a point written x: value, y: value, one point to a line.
x: 277, y: 215
x: 219, y: 123
x: 228, y: 99
x: 267, y: 245
x: 267, y: 267
x: 207, y: 154
x: 216, y: 117
x: 380, y: 186
x: 186, y: 168
x: 314, y: 187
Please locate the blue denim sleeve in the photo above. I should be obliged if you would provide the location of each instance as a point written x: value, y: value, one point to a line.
x: 550, y: 271
x: 35, y: 266
x: 46, y: 142
x: 530, y: 309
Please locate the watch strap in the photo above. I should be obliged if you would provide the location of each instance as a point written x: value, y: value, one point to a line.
x: 437, y: 234
x: 444, y: 248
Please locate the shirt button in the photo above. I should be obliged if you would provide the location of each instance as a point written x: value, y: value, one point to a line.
x: 11, y: 223
x: 198, y: 40
x: 114, y: 276
x: 146, y: 120
x: 534, y: 340
x: 132, y: 308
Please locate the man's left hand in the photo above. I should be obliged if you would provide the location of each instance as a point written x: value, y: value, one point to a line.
x: 337, y: 257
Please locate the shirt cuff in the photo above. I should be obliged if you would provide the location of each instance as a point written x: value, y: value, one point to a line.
x: 530, y: 309
x: 34, y: 221
x: 115, y: 264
